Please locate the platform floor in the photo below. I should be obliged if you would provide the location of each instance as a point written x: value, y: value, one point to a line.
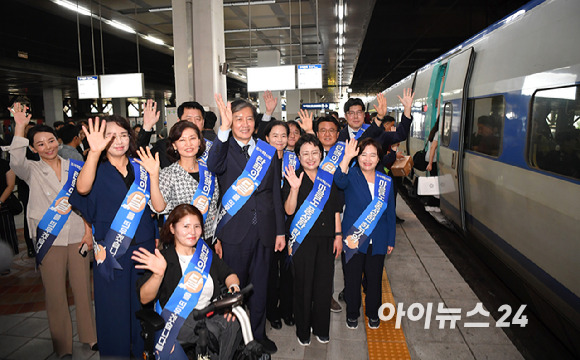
x: 416, y: 272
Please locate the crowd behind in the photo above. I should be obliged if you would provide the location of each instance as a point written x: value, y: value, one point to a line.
x: 262, y: 201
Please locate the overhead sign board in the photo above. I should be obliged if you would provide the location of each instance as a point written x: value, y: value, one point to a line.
x: 122, y: 85
x: 310, y: 76
x: 271, y: 78
x: 315, y: 105
x: 88, y: 87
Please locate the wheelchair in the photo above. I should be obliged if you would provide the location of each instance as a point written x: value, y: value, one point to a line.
x: 207, y: 345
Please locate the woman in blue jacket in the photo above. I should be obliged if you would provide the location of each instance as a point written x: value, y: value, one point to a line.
x: 358, y: 183
x: 112, y: 184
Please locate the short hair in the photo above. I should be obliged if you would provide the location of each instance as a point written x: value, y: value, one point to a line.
x: 57, y: 124
x: 352, y: 102
x: 68, y: 132
x: 137, y: 126
x: 327, y: 118
x: 178, y: 213
x: 386, y: 119
x: 240, y: 104
x: 364, y: 143
x: 122, y: 122
x: 273, y: 123
x: 309, y: 139
x: 38, y: 129
x: 175, y: 133
x: 209, y: 120
x: 190, y: 105
x: 333, y: 113
x: 294, y: 123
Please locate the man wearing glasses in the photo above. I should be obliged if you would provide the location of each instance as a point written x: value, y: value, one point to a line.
x: 355, y: 116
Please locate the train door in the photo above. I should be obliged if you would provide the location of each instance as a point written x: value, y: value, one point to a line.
x: 451, y: 140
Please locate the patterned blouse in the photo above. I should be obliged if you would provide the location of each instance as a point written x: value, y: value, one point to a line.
x: 178, y: 187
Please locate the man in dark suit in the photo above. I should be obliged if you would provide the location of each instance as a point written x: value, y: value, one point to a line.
x: 191, y: 111
x: 246, y: 246
x: 354, y: 112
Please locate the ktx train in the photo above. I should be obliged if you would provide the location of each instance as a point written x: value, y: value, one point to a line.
x: 508, y: 100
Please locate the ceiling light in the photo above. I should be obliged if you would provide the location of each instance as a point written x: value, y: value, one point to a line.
x: 340, y: 50
x: 340, y: 40
x: 340, y: 29
x: 121, y: 26
x: 154, y: 40
x: 160, y: 9
x: 341, y: 12
x: 67, y: 4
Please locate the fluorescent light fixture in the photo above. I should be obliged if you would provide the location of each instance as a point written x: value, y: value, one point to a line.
x: 121, y: 26
x: 246, y: 3
x: 340, y: 40
x: 340, y: 29
x: 340, y: 50
x: 341, y: 12
x: 160, y: 9
x: 67, y: 4
x: 154, y: 40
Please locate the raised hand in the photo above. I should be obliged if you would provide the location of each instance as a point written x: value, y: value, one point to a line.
x: 351, y: 149
x: 148, y: 161
x: 154, y: 262
x: 293, y: 180
x: 382, y: 109
x: 407, y: 101
x: 307, y: 120
x: 225, y: 112
x: 150, y: 115
x: 270, y: 101
x: 96, y: 135
x: 18, y: 110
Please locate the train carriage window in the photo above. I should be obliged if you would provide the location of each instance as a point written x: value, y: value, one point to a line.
x: 486, y: 117
x: 447, y: 120
x: 554, y: 132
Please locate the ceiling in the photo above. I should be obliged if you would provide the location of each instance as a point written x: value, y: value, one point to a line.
x: 402, y: 36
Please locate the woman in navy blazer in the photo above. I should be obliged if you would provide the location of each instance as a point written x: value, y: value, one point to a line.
x: 358, y: 185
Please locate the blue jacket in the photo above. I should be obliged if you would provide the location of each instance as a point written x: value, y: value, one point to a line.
x: 357, y: 198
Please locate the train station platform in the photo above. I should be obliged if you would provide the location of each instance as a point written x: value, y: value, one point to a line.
x: 418, y: 276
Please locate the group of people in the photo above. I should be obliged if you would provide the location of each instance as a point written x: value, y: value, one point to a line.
x: 239, y: 210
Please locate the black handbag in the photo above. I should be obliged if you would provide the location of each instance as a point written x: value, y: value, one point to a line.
x: 419, y: 162
x: 14, y: 205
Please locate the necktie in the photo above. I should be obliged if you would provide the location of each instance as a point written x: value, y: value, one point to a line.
x: 353, y: 135
x: 245, y: 149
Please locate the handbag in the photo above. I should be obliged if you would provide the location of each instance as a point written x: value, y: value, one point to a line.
x: 419, y: 162
x: 14, y: 205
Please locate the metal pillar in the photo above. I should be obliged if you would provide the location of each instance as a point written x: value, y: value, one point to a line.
x: 270, y: 58
x: 53, y: 105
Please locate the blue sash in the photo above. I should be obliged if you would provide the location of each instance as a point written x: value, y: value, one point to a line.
x: 290, y: 159
x: 360, y: 131
x: 204, y: 192
x: 57, y: 213
x: 208, y: 145
x: 311, y: 208
x: 366, y: 222
x: 248, y: 181
x: 183, y: 301
x: 122, y: 231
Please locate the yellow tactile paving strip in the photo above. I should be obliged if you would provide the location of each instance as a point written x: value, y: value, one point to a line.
x: 386, y: 342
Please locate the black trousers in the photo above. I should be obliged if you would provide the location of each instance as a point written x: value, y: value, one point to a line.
x: 280, y: 287
x: 250, y: 260
x: 372, y: 267
x: 313, y: 271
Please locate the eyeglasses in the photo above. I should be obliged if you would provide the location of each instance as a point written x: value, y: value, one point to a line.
x: 314, y: 154
x: 327, y: 131
x: 355, y: 113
